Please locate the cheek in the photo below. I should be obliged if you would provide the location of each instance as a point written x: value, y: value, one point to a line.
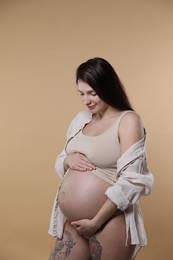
x: 97, y: 100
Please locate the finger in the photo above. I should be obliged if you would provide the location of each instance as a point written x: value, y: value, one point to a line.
x: 85, y: 159
x: 79, y: 168
x: 86, y: 162
x: 84, y: 166
x: 75, y: 224
x: 89, y: 166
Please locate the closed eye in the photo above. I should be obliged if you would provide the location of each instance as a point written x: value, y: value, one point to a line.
x: 92, y: 93
x: 81, y: 94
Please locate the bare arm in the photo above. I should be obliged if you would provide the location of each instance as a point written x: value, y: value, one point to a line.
x: 130, y: 131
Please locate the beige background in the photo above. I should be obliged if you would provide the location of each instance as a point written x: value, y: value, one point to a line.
x: 41, y: 44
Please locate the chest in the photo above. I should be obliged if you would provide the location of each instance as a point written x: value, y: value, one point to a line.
x: 103, y: 150
x: 96, y: 128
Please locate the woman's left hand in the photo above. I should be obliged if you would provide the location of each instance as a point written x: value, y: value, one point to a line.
x: 85, y: 227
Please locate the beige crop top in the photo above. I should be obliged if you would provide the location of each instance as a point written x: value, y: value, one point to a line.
x: 103, y: 150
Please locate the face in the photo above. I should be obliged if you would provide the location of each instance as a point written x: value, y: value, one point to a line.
x: 90, y: 98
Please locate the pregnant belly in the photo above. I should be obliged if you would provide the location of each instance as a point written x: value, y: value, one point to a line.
x: 81, y: 195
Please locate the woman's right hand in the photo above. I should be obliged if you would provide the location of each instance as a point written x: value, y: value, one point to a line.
x: 78, y: 162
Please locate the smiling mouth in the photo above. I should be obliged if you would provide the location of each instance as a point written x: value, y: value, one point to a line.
x: 91, y: 107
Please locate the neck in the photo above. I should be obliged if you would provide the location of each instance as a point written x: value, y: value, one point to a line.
x: 107, y: 113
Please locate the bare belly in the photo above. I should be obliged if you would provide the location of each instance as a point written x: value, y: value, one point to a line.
x: 81, y: 195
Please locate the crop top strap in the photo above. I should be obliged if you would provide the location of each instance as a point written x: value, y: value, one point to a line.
x: 121, y: 116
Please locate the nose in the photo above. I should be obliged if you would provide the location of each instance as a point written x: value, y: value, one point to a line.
x: 86, y: 100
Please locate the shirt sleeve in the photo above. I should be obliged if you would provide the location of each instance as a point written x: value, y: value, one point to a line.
x: 133, y: 181
x: 72, y: 129
x: 59, y: 163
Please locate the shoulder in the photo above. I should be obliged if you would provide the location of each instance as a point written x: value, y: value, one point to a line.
x: 131, y: 130
x: 131, y: 119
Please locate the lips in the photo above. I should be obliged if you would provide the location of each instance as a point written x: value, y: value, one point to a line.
x: 91, y: 107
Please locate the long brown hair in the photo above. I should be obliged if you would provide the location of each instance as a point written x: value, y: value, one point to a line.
x: 101, y: 76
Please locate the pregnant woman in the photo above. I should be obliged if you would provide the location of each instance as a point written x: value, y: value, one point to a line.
x: 96, y: 213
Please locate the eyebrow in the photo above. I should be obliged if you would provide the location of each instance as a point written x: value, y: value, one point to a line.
x: 90, y: 91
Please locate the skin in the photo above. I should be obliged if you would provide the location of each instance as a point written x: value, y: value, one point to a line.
x: 89, y: 229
